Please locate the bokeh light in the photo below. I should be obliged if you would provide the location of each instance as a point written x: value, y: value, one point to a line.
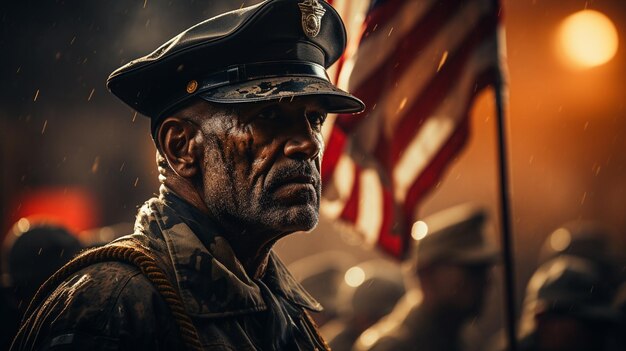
x: 560, y: 239
x: 355, y: 276
x: 588, y: 38
x: 23, y: 225
x: 419, y: 230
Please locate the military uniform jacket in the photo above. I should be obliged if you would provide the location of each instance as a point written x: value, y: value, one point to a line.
x: 113, y: 306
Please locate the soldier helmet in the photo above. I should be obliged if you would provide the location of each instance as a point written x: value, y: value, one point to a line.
x: 567, y: 286
x: 455, y: 235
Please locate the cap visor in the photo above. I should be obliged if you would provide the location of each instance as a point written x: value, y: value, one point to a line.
x: 333, y: 99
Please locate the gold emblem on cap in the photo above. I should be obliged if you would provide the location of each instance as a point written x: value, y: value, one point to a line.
x: 192, y: 86
x: 312, y: 13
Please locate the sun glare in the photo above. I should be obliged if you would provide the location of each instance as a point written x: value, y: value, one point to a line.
x: 588, y: 38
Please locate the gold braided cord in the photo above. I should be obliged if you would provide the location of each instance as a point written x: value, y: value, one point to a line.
x: 316, y: 330
x: 139, y: 258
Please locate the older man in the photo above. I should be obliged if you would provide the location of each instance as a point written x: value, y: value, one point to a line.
x: 236, y: 104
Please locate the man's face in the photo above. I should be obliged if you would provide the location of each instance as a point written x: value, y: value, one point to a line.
x: 262, y: 162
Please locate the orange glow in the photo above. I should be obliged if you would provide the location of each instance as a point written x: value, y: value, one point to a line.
x: 588, y: 38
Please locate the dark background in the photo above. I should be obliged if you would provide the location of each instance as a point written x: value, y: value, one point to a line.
x: 61, y: 132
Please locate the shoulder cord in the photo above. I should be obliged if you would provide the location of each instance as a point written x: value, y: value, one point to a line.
x: 139, y: 258
x: 316, y: 330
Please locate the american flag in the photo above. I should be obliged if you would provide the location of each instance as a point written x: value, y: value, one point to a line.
x: 417, y: 65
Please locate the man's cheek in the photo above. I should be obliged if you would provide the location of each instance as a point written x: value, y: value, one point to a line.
x: 320, y: 155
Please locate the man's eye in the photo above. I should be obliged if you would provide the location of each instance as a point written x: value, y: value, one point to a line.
x: 316, y: 119
x: 268, y: 114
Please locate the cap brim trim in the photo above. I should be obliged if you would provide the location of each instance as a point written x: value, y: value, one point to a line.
x: 334, y: 99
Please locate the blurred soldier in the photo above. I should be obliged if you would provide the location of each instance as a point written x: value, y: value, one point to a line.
x: 32, y: 257
x: 368, y: 292
x: 237, y: 104
x: 582, y: 239
x: 577, y: 238
x: 567, y: 308
x: 585, y: 239
x: 35, y: 255
x: 453, y: 265
x: 322, y: 275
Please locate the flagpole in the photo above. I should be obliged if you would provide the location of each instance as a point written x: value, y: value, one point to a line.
x: 505, y: 216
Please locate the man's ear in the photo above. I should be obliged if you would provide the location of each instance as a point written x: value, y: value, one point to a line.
x: 180, y: 146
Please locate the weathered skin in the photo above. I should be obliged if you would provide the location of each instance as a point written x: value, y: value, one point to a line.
x: 111, y: 306
x: 254, y: 169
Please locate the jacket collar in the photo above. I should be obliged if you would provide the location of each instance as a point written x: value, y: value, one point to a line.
x: 211, y: 280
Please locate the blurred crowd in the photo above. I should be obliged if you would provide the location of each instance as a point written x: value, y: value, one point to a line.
x: 575, y: 300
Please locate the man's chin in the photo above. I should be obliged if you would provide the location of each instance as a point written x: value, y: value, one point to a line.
x: 303, y: 217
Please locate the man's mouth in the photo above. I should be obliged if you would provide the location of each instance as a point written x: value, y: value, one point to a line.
x: 295, y: 184
x: 300, y: 179
x: 297, y: 176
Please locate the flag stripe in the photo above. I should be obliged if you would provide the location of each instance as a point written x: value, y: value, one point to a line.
x: 432, y: 135
x: 437, y: 90
x: 370, y: 213
x: 434, y: 170
x: 351, y: 208
x: 431, y: 173
x: 375, y: 84
x: 335, y: 145
x: 421, y: 77
x: 380, y: 45
x: 415, y: 78
x: 337, y: 191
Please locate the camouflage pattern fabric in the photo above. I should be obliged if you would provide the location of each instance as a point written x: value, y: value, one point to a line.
x: 112, y: 306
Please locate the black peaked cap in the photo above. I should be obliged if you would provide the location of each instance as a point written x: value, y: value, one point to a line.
x: 273, y: 50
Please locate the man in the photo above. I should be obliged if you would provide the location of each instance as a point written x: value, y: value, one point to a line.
x: 453, y: 262
x: 31, y: 256
x: 35, y: 254
x: 236, y: 104
x: 588, y: 240
x: 568, y: 307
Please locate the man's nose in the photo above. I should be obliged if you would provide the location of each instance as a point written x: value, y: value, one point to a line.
x: 303, y: 142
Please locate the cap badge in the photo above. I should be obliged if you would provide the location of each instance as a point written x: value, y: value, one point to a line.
x: 312, y: 13
x: 192, y: 86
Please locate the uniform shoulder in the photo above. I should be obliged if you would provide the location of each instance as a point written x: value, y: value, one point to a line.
x: 101, y: 284
x: 105, y: 302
